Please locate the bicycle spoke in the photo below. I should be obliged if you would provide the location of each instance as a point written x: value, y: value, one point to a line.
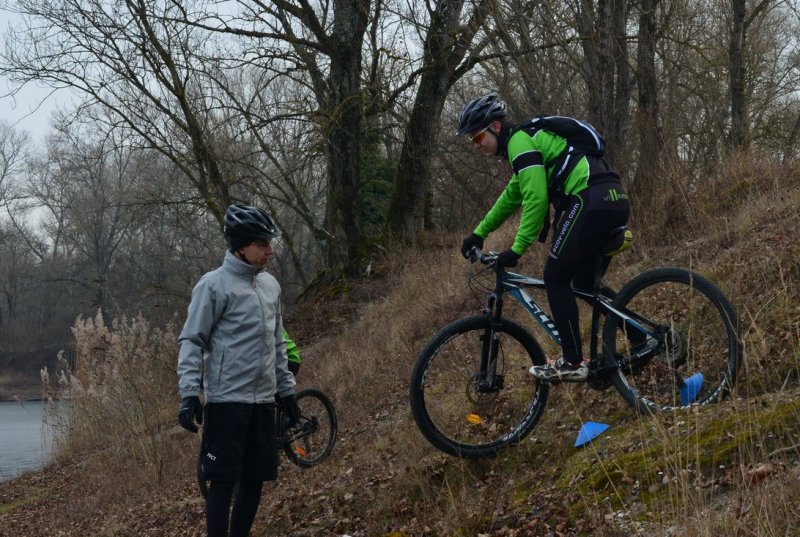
x: 467, y: 412
x: 311, y: 440
x: 696, y: 357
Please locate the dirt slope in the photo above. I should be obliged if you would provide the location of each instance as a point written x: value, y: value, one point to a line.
x: 713, y: 471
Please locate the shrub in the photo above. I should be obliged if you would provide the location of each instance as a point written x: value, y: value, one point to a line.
x: 121, y: 391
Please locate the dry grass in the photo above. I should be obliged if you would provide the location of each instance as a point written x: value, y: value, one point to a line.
x: 742, y: 231
x: 729, y: 469
x: 121, y: 396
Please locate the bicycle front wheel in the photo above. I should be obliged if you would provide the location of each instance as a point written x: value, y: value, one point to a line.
x: 465, y: 412
x: 311, y: 441
x: 693, y: 357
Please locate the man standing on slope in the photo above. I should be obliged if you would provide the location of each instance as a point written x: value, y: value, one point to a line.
x: 233, y: 342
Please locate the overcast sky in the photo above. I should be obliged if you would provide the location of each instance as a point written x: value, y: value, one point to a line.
x: 31, y: 108
x: 24, y: 111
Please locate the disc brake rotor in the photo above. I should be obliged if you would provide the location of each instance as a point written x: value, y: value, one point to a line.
x: 676, y: 350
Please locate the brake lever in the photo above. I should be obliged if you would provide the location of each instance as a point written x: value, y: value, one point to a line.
x: 474, y: 254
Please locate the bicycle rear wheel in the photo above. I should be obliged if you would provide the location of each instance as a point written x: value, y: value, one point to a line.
x: 457, y: 409
x: 696, y: 358
x: 311, y: 441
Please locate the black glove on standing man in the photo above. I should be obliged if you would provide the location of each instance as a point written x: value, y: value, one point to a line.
x: 190, y: 411
x: 291, y: 409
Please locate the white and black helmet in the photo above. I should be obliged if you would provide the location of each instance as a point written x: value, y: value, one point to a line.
x: 245, y: 224
x: 479, y: 113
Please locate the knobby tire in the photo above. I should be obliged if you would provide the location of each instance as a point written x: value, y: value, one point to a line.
x: 698, y: 359
x: 454, y: 414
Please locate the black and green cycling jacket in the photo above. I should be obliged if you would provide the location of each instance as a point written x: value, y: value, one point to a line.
x: 533, y: 159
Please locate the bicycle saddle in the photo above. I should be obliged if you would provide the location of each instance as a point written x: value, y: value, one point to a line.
x: 619, y: 240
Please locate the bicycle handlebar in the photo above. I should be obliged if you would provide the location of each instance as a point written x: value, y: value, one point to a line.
x: 475, y: 254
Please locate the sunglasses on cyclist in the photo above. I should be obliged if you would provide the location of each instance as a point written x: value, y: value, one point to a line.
x: 479, y: 136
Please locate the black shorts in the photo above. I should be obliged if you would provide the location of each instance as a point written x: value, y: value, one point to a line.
x: 239, y: 442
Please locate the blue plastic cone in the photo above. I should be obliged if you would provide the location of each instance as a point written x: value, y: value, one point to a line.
x: 691, y: 387
x: 589, y: 431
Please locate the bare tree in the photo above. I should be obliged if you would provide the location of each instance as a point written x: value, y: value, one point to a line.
x: 791, y: 143
x: 737, y: 49
x: 130, y: 59
x: 272, y: 146
x: 33, y: 314
x: 650, y: 136
x: 324, y: 41
x: 13, y: 149
x: 602, y: 26
x: 541, y: 70
x: 87, y: 185
x: 16, y: 268
x: 446, y: 57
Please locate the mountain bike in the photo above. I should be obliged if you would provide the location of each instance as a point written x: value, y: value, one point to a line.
x: 669, y: 340
x: 311, y: 440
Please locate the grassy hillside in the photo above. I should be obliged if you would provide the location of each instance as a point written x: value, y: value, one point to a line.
x: 727, y: 469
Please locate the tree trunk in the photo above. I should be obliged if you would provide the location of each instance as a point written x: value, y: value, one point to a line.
x: 446, y: 46
x: 736, y: 82
x: 602, y: 30
x: 620, y: 112
x: 344, y: 137
x: 648, y: 168
x: 412, y: 180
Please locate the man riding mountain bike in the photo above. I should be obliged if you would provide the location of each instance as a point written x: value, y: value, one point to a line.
x: 588, y: 198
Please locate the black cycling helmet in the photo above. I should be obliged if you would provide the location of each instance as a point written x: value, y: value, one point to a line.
x: 245, y: 224
x: 478, y: 113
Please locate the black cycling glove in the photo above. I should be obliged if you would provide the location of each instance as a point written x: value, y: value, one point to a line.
x: 190, y: 411
x: 469, y: 242
x: 291, y: 409
x: 508, y: 258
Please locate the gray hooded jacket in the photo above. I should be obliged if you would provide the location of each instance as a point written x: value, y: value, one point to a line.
x: 233, y: 337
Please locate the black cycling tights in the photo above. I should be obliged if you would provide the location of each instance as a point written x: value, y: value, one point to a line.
x: 582, y: 232
x: 245, y: 505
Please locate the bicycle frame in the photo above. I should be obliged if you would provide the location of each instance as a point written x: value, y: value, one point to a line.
x: 515, y: 284
x: 305, y: 427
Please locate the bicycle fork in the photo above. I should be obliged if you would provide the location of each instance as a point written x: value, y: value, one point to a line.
x: 488, y: 380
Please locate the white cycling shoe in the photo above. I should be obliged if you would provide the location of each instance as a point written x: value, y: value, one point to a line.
x: 560, y: 371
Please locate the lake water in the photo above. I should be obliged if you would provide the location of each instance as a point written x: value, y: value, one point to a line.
x: 25, y: 438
